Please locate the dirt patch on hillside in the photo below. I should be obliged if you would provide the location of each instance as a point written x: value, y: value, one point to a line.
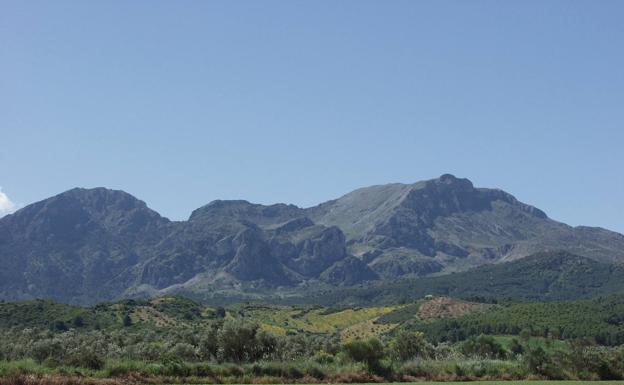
x: 441, y: 307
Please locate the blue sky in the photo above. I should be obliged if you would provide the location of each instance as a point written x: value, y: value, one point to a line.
x: 183, y: 102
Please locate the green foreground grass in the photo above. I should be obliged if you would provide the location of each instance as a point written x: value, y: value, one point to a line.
x: 137, y: 372
x: 488, y: 383
x: 517, y: 383
x: 491, y: 383
x: 523, y: 382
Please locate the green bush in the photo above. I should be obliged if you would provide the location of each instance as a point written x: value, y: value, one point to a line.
x: 45, y: 348
x: 483, y: 346
x: 410, y: 345
x: 89, y: 360
x: 369, y: 352
x: 237, y: 342
x: 323, y: 357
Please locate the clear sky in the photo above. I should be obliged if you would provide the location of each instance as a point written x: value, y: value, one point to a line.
x: 183, y: 102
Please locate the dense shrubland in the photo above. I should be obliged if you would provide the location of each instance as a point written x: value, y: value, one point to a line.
x: 232, y: 351
x: 178, y: 340
x: 221, y: 342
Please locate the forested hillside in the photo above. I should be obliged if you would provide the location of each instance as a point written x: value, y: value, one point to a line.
x: 549, y: 276
x: 600, y: 320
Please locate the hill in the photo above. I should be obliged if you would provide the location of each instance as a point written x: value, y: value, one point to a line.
x: 547, y: 276
x: 439, y: 318
x: 173, y: 313
x: 600, y: 320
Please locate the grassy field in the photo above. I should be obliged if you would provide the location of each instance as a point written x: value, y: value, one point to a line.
x: 532, y: 382
x: 78, y: 381
x: 520, y: 383
x: 127, y: 372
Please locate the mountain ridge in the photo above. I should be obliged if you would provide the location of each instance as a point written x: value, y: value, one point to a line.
x: 104, y: 244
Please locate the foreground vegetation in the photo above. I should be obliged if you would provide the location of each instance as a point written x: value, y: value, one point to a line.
x: 175, y: 340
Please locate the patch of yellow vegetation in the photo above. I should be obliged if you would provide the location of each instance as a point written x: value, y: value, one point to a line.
x: 324, y: 323
x: 149, y: 314
x: 365, y: 329
x: 208, y: 311
x: 157, y: 300
x: 282, y: 320
x: 277, y: 330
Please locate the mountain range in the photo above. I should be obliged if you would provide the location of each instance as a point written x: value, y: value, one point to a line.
x: 88, y: 245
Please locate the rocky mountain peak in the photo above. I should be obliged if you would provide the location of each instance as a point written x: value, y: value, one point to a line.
x: 77, y: 210
x: 452, y: 180
x: 241, y: 210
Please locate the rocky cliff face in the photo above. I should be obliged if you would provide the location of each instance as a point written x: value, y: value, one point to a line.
x: 86, y: 245
x: 447, y: 224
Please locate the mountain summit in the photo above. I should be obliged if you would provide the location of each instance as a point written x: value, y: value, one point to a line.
x: 88, y: 245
